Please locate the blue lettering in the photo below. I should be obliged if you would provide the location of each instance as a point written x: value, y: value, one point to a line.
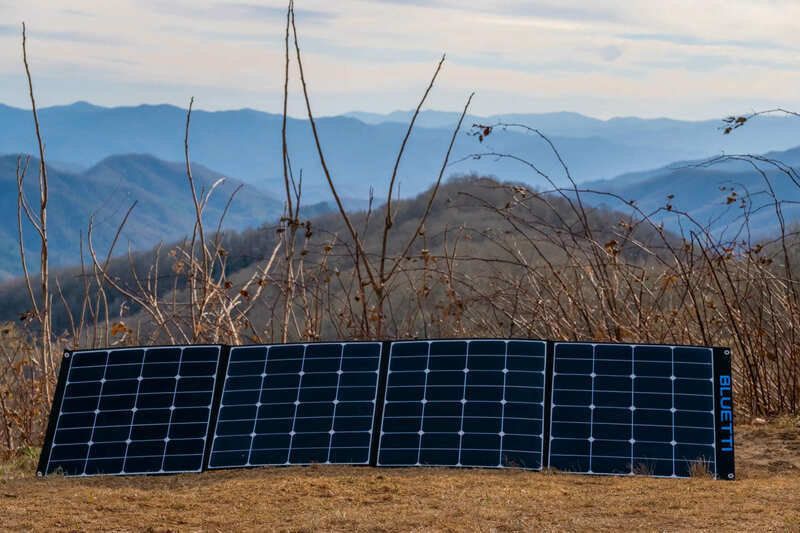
x: 726, y: 413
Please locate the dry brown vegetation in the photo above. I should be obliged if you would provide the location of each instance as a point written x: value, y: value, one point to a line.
x: 766, y: 497
x: 472, y: 257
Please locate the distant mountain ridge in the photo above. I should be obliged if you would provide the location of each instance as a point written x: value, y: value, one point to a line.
x: 361, y: 147
x: 702, y: 138
x: 164, y: 210
x: 705, y: 192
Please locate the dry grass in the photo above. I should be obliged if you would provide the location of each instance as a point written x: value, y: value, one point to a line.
x: 766, y: 497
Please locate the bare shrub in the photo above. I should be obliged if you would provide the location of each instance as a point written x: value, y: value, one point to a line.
x: 469, y: 257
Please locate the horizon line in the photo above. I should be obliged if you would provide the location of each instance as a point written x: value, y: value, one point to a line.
x: 351, y: 113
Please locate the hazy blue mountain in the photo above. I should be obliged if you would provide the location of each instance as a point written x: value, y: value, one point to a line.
x: 705, y: 193
x: 557, y: 123
x: 164, y: 211
x: 426, y: 119
x: 361, y: 151
x: 682, y: 139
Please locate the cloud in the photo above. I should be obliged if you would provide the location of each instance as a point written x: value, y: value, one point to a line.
x: 691, y: 40
x: 216, y: 35
x: 710, y: 62
x: 78, y: 13
x: 115, y: 60
x: 59, y: 35
x: 244, y: 10
x: 75, y: 36
x: 368, y: 53
x: 528, y: 8
x: 422, y: 3
x: 239, y: 11
x: 558, y: 11
x: 384, y: 55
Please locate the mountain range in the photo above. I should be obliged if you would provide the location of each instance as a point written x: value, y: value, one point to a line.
x: 101, y: 160
x: 361, y: 148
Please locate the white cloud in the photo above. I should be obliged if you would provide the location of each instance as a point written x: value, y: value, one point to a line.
x: 606, y: 57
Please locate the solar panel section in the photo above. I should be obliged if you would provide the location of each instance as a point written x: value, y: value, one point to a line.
x: 297, y: 404
x: 132, y: 411
x: 464, y: 403
x: 633, y: 409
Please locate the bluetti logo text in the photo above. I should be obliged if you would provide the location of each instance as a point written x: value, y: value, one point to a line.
x: 726, y: 414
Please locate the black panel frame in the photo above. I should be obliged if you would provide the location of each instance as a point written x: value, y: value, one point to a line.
x: 723, y: 415
x: 52, y: 422
x: 548, y: 403
x: 222, y: 368
x: 380, y: 401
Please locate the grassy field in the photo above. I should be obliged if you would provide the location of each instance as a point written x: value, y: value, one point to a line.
x: 765, y: 498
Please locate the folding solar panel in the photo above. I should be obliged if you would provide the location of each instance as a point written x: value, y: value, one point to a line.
x: 592, y: 408
x: 636, y: 409
x: 297, y: 404
x: 464, y: 403
x: 131, y: 411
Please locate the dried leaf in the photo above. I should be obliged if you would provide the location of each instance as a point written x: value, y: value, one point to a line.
x: 611, y: 247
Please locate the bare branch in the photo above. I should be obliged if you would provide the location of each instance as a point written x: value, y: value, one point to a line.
x: 389, y: 220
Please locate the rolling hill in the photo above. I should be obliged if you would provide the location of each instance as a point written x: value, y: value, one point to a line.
x: 164, y: 211
x: 471, y: 207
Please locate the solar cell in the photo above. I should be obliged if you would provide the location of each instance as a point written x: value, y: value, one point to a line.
x: 297, y: 404
x: 464, y: 403
x: 633, y: 409
x: 132, y: 411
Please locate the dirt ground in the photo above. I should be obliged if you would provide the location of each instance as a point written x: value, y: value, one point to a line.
x: 766, y: 497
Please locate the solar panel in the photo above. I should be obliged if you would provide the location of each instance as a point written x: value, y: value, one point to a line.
x: 633, y: 409
x: 464, y: 403
x: 297, y: 404
x: 593, y: 408
x: 131, y: 411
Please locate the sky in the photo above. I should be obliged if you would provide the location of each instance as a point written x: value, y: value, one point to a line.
x: 692, y: 59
